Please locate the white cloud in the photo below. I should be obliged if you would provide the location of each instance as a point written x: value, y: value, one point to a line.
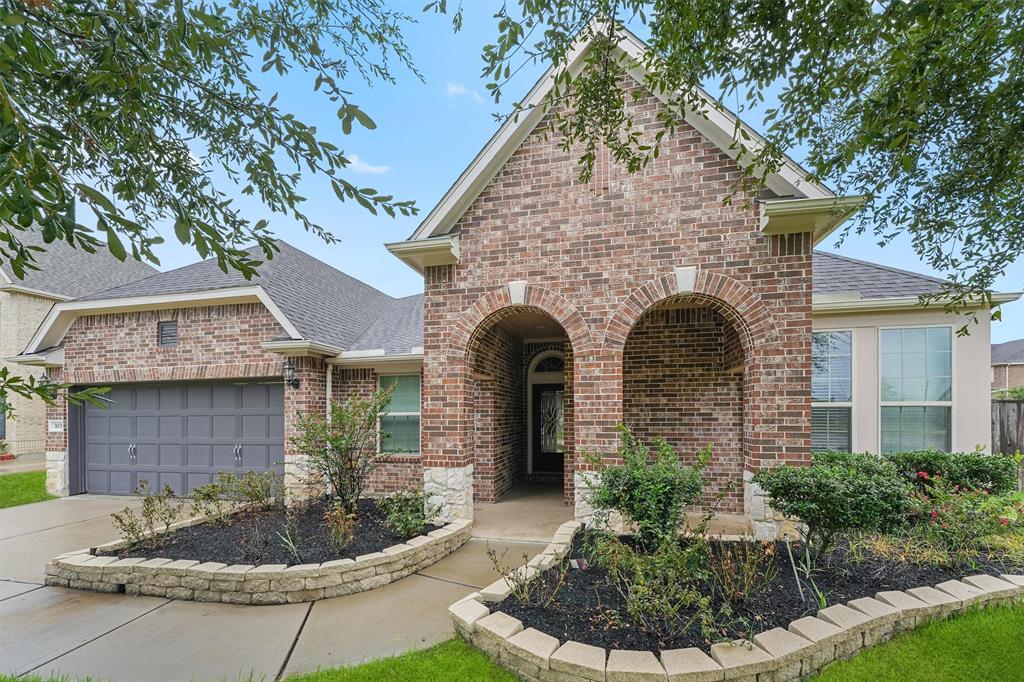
x: 460, y: 90
x: 359, y: 166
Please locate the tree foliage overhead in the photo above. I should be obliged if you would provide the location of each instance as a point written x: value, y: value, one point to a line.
x: 152, y: 112
x: 917, y: 103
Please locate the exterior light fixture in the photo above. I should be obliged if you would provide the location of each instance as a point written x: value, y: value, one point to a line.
x: 289, y: 374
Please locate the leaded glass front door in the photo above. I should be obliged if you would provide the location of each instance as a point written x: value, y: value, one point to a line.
x: 548, y: 427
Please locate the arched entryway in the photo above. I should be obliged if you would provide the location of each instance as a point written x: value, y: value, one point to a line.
x: 520, y: 361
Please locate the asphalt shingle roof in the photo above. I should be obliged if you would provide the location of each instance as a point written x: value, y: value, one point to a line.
x: 834, y: 274
x: 1009, y: 352
x: 73, y: 272
x: 323, y: 303
x: 328, y: 306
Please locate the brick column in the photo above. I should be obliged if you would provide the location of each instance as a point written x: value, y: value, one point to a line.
x: 309, y: 398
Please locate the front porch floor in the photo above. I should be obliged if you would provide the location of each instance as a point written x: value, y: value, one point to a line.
x: 530, y: 512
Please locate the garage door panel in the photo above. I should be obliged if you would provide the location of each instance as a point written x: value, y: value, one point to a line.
x: 172, y: 427
x: 120, y: 426
x: 200, y: 456
x: 119, y: 399
x: 199, y: 427
x: 225, y: 426
x: 147, y: 397
x: 183, y: 435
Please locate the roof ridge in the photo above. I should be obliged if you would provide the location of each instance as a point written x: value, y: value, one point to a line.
x: 879, y: 266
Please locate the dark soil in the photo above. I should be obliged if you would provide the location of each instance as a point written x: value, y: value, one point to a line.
x: 255, y: 538
x: 588, y: 609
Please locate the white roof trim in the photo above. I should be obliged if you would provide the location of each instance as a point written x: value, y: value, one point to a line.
x: 297, y: 347
x: 53, y: 357
x: 821, y: 304
x: 405, y: 361
x: 62, y: 315
x: 29, y: 291
x: 718, y: 126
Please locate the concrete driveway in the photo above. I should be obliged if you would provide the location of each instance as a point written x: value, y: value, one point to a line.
x: 54, y: 631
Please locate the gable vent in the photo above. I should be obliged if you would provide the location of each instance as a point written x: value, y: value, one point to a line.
x: 167, y: 333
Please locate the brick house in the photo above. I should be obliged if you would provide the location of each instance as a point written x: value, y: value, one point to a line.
x: 552, y: 311
x: 1007, y: 365
x: 61, y: 273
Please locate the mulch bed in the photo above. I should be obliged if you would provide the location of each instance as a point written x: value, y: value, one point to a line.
x: 589, y: 610
x: 254, y: 538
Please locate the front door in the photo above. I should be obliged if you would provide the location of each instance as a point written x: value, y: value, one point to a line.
x: 548, y: 428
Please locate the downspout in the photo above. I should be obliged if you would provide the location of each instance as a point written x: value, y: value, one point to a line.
x: 327, y: 401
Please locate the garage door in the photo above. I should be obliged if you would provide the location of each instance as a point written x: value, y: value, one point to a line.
x: 180, y: 435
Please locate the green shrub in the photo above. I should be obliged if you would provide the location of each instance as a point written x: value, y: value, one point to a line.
x: 405, y: 513
x: 651, y: 491
x: 996, y: 474
x: 837, y: 495
x: 260, y: 489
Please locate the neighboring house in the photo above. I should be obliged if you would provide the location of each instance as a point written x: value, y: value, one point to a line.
x: 63, y: 273
x: 1007, y: 365
x: 553, y: 310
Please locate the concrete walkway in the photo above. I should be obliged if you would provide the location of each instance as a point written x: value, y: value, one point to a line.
x: 51, y: 631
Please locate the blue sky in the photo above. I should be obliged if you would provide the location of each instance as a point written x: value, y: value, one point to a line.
x: 427, y: 132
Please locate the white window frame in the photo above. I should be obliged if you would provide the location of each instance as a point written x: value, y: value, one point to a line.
x: 418, y: 413
x: 921, y: 403
x: 853, y: 378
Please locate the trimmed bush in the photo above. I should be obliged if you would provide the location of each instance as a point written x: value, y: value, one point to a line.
x: 839, y: 492
x: 996, y: 474
x: 650, y: 490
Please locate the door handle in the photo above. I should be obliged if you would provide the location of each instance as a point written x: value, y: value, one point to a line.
x: 237, y: 448
x: 239, y: 455
x: 131, y: 452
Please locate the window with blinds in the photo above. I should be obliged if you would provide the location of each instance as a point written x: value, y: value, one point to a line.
x: 916, y: 388
x: 831, y: 391
x: 399, y: 429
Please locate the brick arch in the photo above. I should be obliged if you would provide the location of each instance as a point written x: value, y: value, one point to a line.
x: 497, y: 304
x: 735, y: 301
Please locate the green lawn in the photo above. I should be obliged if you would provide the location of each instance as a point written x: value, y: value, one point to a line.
x: 453, y: 660
x: 23, y: 488
x: 979, y: 645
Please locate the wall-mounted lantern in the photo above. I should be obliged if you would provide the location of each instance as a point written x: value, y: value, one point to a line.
x: 289, y: 374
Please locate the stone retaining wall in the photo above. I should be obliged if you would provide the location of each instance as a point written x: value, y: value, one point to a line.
x: 778, y: 655
x: 258, y: 585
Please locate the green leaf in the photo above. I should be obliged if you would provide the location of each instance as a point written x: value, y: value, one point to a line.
x: 114, y: 244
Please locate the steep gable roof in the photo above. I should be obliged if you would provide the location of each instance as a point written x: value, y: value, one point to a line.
x: 323, y: 303
x: 718, y: 126
x: 68, y: 272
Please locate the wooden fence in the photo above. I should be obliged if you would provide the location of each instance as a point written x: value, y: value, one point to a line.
x: 1008, y: 428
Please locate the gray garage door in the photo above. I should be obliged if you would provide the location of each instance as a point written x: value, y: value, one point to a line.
x: 181, y: 435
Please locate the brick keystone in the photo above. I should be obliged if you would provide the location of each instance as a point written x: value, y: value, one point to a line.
x: 496, y: 591
x: 634, y: 666
x: 533, y: 646
x: 467, y: 613
x: 875, y: 609
x: 991, y: 586
x: 499, y: 625
x: 581, y: 660
x: 816, y: 630
x: 934, y: 597
x: 783, y: 644
x: 964, y: 593
x: 906, y: 603
x: 691, y: 665
x: 846, y: 618
x: 742, y: 658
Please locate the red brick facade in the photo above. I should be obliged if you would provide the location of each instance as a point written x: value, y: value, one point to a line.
x: 595, y: 257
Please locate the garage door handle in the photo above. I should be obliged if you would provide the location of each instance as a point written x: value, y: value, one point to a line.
x: 131, y: 451
x: 239, y: 455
